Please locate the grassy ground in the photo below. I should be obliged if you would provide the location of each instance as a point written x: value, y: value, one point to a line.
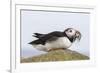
x: 56, y: 55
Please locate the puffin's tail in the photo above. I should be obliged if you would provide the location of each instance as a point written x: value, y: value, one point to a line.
x: 38, y: 35
x: 36, y: 42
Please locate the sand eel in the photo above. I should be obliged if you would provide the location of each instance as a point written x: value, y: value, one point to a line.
x: 55, y: 40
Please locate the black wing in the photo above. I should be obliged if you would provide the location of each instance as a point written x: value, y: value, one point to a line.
x: 43, y: 38
x: 51, y: 36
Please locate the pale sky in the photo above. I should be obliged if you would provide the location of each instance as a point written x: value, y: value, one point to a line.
x: 45, y: 22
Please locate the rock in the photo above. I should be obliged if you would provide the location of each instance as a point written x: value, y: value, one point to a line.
x: 56, y: 55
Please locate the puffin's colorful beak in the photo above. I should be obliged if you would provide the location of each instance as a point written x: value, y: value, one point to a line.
x: 78, y: 35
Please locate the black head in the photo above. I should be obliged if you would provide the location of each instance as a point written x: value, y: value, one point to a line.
x: 72, y: 34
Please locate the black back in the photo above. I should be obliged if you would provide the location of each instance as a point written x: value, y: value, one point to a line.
x: 48, y: 37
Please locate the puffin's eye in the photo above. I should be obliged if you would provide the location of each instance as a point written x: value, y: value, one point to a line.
x: 70, y: 30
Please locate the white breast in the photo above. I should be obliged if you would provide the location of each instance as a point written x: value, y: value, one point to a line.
x: 62, y: 42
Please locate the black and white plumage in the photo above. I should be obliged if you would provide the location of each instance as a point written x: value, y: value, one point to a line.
x: 56, y: 39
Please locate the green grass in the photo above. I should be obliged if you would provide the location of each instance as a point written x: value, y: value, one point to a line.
x: 56, y: 55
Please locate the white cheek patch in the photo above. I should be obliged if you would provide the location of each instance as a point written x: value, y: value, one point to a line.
x: 70, y: 33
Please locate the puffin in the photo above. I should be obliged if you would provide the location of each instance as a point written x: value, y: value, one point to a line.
x: 55, y: 40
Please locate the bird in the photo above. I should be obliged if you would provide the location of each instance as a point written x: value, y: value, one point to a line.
x: 55, y: 40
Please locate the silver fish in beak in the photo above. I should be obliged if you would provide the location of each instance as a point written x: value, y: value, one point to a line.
x: 78, y: 35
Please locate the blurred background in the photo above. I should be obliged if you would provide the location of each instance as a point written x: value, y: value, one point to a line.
x: 45, y: 22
